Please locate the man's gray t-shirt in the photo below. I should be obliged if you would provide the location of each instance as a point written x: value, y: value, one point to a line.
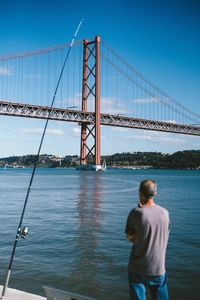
x: 150, y: 224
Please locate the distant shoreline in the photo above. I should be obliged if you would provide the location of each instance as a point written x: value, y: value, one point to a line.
x: 109, y: 168
x: 188, y: 159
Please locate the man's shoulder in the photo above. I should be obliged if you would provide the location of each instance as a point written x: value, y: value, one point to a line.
x: 133, y: 211
x: 156, y: 210
x: 163, y: 209
x: 140, y: 210
x: 136, y: 211
x: 163, y: 212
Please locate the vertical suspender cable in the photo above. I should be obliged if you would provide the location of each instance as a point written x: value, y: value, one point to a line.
x: 35, y: 164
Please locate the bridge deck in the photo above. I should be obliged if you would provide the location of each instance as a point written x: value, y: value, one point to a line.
x: 60, y: 114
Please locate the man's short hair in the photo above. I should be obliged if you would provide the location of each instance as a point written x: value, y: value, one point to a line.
x: 148, y: 188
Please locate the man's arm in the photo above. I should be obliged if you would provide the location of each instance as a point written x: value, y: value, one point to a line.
x: 130, y: 230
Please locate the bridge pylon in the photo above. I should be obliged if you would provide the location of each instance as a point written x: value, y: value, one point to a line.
x: 90, y: 133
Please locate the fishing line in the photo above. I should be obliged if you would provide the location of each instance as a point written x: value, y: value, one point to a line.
x: 22, y: 232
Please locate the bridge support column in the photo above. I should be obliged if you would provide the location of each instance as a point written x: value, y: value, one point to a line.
x: 90, y: 133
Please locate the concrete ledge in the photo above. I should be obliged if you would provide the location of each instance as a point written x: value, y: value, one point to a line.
x: 55, y: 294
x: 12, y: 294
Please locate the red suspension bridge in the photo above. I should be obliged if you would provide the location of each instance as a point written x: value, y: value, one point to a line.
x: 98, y: 87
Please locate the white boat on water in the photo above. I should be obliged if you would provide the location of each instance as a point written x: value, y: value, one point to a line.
x: 8, y: 167
x: 104, y: 167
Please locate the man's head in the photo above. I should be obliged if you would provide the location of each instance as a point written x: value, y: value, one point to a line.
x: 147, y: 190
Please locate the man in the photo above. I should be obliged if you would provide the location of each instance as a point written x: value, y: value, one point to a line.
x: 148, y: 229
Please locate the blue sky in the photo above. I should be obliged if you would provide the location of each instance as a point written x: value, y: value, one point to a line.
x: 159, y: 38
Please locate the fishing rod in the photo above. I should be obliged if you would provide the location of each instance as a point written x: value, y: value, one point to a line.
x: 22, y: 232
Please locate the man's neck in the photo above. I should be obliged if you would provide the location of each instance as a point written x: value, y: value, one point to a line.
x: 149, y: 202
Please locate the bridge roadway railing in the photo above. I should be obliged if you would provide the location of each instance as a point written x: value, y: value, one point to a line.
x: 61, y: 114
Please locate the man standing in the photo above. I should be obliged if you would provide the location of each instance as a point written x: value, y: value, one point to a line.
x: 148, y: 229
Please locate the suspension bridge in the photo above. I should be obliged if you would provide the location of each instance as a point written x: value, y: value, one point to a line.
x: 98, y: 87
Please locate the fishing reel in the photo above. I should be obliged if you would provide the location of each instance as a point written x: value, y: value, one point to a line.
x: 23, y: 232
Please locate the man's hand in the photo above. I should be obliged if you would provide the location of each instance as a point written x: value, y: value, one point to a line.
x: 130, y: 236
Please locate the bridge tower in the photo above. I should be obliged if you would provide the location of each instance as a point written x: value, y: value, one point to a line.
x: 90, y: 133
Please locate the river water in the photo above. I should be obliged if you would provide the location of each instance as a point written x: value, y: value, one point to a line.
x: 76, y: 223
